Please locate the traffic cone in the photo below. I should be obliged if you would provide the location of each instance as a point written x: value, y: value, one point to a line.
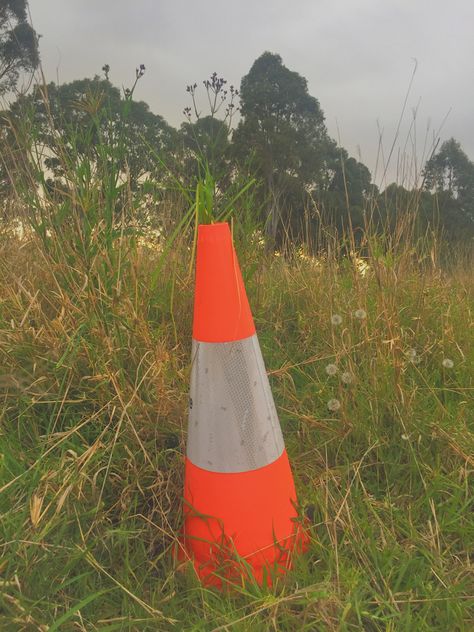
x: 240, y: 517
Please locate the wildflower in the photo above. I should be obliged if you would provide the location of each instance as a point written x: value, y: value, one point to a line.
x: 347, y: 377
x: 331, y: 369
x: 447, y: 363
x: 411, y: 354
x: 336, y: 319
x: 361, y: 314
x: 334, y: 405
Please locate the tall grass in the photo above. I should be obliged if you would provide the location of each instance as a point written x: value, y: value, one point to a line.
x: 95, y: 328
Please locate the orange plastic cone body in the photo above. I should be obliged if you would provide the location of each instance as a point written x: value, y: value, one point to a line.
x: 239, y: 495
x: 221, y: 308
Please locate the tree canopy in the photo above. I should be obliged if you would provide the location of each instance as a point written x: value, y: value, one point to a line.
x: 281, y: 144
x: 87, y: 115
x: 18, y: 43
x: 450, y: 170
x: 450, y: 175
x: 282, y: 128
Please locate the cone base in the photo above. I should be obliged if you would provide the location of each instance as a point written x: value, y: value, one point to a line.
x: 241, y: 525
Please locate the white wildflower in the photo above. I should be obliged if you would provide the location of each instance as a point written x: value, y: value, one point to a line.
x: 331, y: 369
x: 361, y: 314
x: 447, y: 363
x: 336, y: 319
x: 334, y: 405
x: 347, y: 377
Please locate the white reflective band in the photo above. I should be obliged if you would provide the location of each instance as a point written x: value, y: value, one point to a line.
x: 233, y: 423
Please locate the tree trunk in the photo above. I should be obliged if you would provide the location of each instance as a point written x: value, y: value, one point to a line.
x: 274, y: 213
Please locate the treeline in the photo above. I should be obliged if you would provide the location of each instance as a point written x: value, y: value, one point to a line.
x: 262, y: 149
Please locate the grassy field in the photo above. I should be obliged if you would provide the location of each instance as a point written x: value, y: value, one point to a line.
x: 94, y: 368
x: 371, y: 364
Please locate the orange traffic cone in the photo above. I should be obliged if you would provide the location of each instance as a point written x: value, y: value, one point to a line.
x: 239, y: 495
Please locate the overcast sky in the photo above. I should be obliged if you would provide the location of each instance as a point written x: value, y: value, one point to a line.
x: 357, y: 55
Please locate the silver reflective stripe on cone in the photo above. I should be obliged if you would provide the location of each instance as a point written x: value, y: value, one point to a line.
x: 233, y: 423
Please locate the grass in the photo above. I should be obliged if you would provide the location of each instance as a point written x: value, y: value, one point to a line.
x: 95, y: 369
x: 95, y: 341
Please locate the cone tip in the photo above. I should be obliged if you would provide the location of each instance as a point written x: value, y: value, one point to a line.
x: 208, y: 232
x: 221, y: 309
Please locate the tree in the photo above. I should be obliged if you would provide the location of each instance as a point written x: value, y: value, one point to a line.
x: 283, y: 128
x: 206, y: 141
x: 18, y: 43
x: 450, y: 175
x: 89, y: 118
x: 345, y: 191
x: 450, y: 170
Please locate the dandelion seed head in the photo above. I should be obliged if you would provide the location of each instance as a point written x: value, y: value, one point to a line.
x: 334, y: 405
x: 331, y: 369
x: 336, y: 319
x: 447, y: 363
x: 347, y: 377
x: 361, y: 314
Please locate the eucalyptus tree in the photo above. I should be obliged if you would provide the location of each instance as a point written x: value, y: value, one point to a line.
x: 282, y: 128
x: 18, y: 43
x: 449, y: 170
x: 449, y: 174
x: 92, y: 120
